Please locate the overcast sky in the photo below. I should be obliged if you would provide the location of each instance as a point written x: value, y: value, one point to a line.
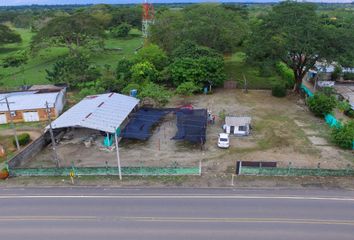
x: 29, y: 2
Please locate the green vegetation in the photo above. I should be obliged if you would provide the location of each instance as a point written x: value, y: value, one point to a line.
x: 322, y: 104
x: 23, y: 139
x: 237, y: 69
x: 279, y: 90
x: 295, y: 34
x: 344, y: 136
x: 187, y: 89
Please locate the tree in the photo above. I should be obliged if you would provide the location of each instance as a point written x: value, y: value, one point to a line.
x: 153, y: 54
x: 123, y: 69
x: 73, y: 70
x: 293, y: 34
x: 344, y: 136
x: 71, y: 31
x: 187, y: 89
x: 201, y: 71
x: 208, y: 25
x: 8, y: 36
x: 144, y: 72
x: 121, y: 31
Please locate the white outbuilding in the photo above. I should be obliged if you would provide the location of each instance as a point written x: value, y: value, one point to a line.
x: 237, y: 125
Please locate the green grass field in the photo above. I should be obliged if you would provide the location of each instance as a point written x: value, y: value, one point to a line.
x: 34, y: 71
x: 236, y: 67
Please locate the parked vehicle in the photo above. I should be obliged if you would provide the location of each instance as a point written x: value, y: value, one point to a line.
x: 223, y: 140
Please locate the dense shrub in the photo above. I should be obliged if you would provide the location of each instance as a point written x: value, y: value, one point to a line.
x: 278, y: 90
x: 187, y: 88
x: 286, y: 73
x: 23, y: 139
x: 349, y: 113
x: 348, y: 76
x: 344, y: 136
x: 155, y: 92
x: 121, y: 31
x: 321, y: 104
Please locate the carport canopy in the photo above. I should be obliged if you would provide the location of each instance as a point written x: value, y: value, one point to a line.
x: 103, y: 112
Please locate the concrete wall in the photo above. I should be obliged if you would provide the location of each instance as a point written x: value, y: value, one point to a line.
x: 30, y: 151
x: 42, y: 113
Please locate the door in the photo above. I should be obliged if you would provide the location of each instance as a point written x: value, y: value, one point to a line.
x: 3, y: 119
x: 30, y: 116
x: 232, y: 129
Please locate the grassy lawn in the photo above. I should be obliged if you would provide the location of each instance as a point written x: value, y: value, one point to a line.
x: 34, y: 71
x: 236, y: 67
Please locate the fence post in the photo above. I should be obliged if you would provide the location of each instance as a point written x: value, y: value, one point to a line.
x: 289, y: 168
x: 319, y: 169
x: 200, y: 167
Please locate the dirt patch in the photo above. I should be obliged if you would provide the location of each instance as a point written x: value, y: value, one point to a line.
x: 280, y: 133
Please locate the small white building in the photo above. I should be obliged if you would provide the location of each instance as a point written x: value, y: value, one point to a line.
x: 237, y: 125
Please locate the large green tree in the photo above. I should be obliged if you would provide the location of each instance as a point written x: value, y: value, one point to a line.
x: 208, y: 25
x: 294, y: 34
x: 8, y: 36
x: 70, y: 31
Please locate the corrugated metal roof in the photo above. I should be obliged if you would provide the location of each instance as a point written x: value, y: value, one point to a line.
x: 104, y: 112
x: 237, y: 121
x: 27, y: 100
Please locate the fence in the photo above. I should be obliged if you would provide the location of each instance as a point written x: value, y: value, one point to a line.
x: 329, y: 118
x: 106, y: 171
x: 296, y: 172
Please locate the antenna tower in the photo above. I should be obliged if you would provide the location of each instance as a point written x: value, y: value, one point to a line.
x: 148, y: 18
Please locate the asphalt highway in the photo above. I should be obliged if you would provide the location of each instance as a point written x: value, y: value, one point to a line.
x: 132, y: 213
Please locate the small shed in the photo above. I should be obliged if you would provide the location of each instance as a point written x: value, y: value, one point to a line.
x: 237, y: 125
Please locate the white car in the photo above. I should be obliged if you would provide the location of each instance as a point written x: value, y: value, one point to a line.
x: 223, y: 140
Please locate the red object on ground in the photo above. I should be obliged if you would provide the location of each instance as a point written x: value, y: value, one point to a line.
x: 188, y: 106
x: 4, y: 174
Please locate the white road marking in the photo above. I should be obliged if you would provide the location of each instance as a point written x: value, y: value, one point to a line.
x: 175, y: 197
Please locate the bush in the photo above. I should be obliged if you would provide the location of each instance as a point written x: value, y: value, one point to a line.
x: 286, y: 73
x: 155, y: 92
x: 349, y: 113
x: 321, y: 104
x: 23, y: 139
x: 344, y: 136
x: 121, y: 31
x: 279, y: 90
x: 130, y: 87
x: 187, y: 88
x: 348, y: 76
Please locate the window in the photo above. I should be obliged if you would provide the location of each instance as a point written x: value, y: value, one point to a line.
x: 242, y: 128
x: 13, y: 113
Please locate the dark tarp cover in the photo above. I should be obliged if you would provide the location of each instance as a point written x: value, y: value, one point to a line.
x: 191, y: 125
x: 139, y: 127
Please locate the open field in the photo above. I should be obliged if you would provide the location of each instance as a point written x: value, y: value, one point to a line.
x: 34, y: 71
x: 236, y: 67
x: 283, y: 131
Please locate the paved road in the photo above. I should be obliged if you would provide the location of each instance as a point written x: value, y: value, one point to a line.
x: 113, y: 213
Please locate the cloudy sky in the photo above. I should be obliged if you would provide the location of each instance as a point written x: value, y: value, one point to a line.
x: 29, y: 2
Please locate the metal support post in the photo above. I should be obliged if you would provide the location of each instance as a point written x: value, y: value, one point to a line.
x: 118, y: 159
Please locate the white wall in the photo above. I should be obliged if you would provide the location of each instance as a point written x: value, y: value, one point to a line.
x: 237, y: 131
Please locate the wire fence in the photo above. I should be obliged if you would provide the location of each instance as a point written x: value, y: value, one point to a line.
x: 105, y: 171
x: 269, y: 171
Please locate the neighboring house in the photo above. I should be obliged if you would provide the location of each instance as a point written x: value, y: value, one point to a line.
x: 237, y: 125
x: 30, y: 106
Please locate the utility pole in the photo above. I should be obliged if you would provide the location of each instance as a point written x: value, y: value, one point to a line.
x: 12, y: 124
x: 118, y: 159
x: 56, y: 158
